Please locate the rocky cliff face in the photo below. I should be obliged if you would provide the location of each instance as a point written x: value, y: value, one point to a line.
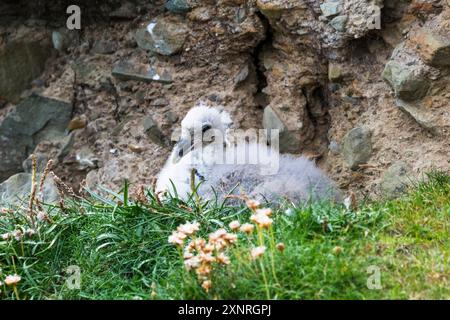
x: 362, y: 86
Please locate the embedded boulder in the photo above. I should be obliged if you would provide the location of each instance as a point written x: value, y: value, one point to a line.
x: 35, y: 119
x: 408, y: 81
x: 178, y: 6
x: 395, y: 180
x: 165, y: 36
x: 63, y: 39
x: 21, y: 61
x: 290, y: 130
x: 357, y: 147
x: 152, y: 130
x: 129, y: 70
x: 17, y: 189
x: 331, y: 8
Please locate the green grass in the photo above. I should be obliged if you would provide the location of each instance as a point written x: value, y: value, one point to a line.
x: 122, y: 250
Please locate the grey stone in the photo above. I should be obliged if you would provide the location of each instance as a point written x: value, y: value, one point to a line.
x: 331, y: 8
x: 58, y: 41
x: 159, y: 102
x: 152, y: 130
x: 171, y: 117
x: 419, y: 114
x: 127, y: 70
x: 178, y: 6
x: 408, y: 81
x: 163, y: 36
x: 17, y: 189
x: 289, y: 140
x: 357, y: 147
x: 35, y: 119
x: 334, y: 72
x: 242, y: 75
x: 104, y: 47
x: 63, y: 39
x: 21, y: 61
x: 339, y: 23
x: 271, y: 120
x: 395, y: 180
x: 94, y: 74
x: 241, y: 14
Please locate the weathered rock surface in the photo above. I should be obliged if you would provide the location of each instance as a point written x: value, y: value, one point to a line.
x: 339, y: 23
x: 396, y: 180
x: 334, y: 72
x: 35, y: 119
x: 178, y: 6
x: 331, y: 8
x: 435, y: 119
x: 432, y: 41
x: 151, y: 129
x: 95, y: 73
x: 218, y: 32
x: 63, y: 39
x: 434, y: 48
x: 290, y: 137
x: 314, y: 74
x: 408, y: 81
x: 357, y: 147
x: 140, y: 72
x: 418, y: 73
x: 104, y: 46
x: 21, y: 61
x: 165, y: 36
x: 17, y: 189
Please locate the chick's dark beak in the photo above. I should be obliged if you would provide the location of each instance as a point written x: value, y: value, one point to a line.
x: 181, y: 148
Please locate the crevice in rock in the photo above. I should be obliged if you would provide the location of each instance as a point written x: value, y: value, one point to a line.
x: 260, y: 97
x: 316, y: 105
x: 317, y: 112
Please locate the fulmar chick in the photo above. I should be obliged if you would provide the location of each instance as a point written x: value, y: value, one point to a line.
x: 223, y: 168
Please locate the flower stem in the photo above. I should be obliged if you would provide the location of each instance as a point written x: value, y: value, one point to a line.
x: 266, y: 285
x: 263, y: 270
x: 273, y: 248
x: 16, y: 292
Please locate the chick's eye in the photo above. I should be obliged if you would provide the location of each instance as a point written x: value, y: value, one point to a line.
x: 180, y: 153
x: 206, y: 127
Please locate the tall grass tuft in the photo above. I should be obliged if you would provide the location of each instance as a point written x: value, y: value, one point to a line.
x: 119, y: 242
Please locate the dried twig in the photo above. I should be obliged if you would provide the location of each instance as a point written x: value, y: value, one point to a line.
x: 62, y: 190
x: 139, y: 195
x: 33, y: 190
x: 47, y: 169
x: 64, y: 187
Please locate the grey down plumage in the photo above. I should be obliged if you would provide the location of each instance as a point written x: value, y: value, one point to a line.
x: 297, y: 178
